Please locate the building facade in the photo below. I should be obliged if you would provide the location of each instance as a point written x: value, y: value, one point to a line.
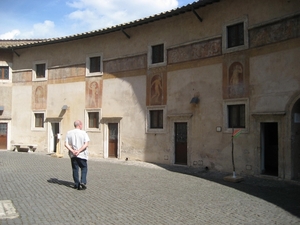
x: 173, y: 88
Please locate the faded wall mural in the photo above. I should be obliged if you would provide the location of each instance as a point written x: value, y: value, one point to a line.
x: 236, y: 80
x: 195, y: 51
x: 93, y: 93
x: 156, y: 86
x: 39, y: 93
x: 235, y: 76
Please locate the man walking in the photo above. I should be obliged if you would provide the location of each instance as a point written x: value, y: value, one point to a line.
x: 77, y: 142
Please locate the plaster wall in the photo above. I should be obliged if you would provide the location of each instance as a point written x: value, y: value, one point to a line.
x: 22, y: 124
x: 125, y: 98
x: 274, y: 79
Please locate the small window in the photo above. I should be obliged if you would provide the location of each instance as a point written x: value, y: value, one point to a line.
x: 94, y: 65
x: 236, y: 116
x: 158, y: 53
x: 156, y: 119
x: 38, y: 120
x: 93, y: 118
x: 4, y: 72
x: 40, y: 70
x: 235, y: 35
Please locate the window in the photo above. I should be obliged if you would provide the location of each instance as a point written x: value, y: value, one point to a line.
x: 94, y: 65
x: 235, y: 35
x: 92, y: 119
x: 39, y: 71
x: 156, y: 119
x: 38, y: 120
x: 4, y: 72
x: 157, y: 53
x: 236, y: 116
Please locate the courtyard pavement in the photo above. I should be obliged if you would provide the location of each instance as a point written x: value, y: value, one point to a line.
x: 35, y: 189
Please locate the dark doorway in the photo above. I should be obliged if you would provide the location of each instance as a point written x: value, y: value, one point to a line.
x: 3, y: 135
x: 113, y: 140
x: 181, y: 143
x: 55, y: 131
x: 269, y: 148
x: 295, y: 141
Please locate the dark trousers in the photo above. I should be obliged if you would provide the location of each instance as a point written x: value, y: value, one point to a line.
x: 76, y: 164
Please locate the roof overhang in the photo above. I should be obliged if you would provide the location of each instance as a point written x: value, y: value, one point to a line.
x: 175, y: 12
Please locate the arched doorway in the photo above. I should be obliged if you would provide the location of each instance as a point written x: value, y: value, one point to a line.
x: 295, y: 140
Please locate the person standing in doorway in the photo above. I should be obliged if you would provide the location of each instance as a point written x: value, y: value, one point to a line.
x: 77, y: 141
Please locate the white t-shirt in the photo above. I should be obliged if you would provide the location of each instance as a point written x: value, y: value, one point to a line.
x: 76, y: 139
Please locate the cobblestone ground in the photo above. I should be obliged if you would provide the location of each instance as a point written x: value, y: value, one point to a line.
x: 35, y: 189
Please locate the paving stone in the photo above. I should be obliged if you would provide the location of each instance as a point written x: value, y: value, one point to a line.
x: 128, y: 192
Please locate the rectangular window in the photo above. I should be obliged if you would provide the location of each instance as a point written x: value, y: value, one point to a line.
x: 156, y: 119
x: 235, y: 35
x: 40, y: 70
x: 4, y: 72
x: 236, y: 116
x: 95, y: 64
x: 93, y: 118
x: 39, y: 120
x: 158, y: 53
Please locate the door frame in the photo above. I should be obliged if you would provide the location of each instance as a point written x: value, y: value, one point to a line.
x: 8, y: 137
x: 276, y: 117
x: 106, y: 121
x: 181, y: 118
x: 51, y: 135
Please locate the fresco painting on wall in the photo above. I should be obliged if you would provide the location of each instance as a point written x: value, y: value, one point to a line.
x: 39, y: 93
x: 93, y: 93
x: 156, y: 90
x: 236, y: 80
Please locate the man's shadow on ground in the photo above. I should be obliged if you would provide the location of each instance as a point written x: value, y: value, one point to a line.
x: 61, y: 182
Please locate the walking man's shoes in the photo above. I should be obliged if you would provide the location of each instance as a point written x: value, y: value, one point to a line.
x: 82, y: 187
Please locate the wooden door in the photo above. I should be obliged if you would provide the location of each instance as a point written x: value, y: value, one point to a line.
x: 3, y: 135
x: 181, y: 143
x: 113, y: 140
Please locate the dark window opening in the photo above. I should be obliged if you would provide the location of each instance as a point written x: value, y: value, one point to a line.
x: 39, y: 119
x: 93, y: 119
x: 41, y: 70
x: 156, y: 119
x: 4, y: 72
x: 157, y: 53
x: 235, y: 35
x: 236, y: 116
x: 95, y: 64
